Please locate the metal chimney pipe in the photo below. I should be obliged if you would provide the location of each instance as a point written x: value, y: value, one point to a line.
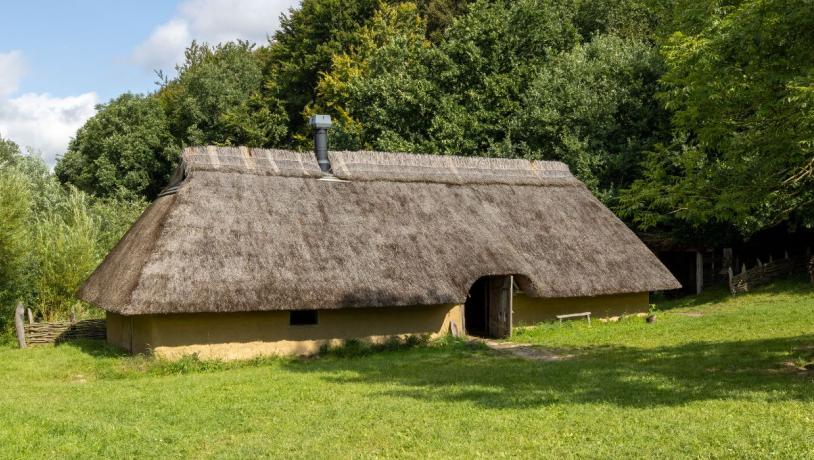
x: 321, y: 123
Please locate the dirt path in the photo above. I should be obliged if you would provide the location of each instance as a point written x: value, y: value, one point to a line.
x: 523, y: 350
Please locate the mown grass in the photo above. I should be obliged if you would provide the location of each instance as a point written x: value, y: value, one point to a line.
x: 711, y: 386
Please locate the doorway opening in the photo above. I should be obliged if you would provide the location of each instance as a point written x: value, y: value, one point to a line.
x: 488, y: 307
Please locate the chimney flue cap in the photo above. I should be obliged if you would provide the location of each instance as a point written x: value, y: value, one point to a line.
x: 320, y: 121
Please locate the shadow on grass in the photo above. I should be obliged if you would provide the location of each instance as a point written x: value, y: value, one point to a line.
x: 714, y: 295
x: 95, y: 348
x: 630, y: 377
x: 797, y: 285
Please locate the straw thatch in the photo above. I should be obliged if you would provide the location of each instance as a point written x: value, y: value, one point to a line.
x: 404, y: 167
x: 249, y: 229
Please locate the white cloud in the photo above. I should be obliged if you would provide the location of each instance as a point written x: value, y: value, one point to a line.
x: 43, y: 122
x: 164, y: 47
x: 211, y: 21
x: 39, y: 121
x: 12, y: 70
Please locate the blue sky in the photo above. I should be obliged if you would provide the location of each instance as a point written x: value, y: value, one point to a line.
x: 58, y: 59
x: 74, y: 47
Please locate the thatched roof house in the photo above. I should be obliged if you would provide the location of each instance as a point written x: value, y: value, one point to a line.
x: 244, y: 230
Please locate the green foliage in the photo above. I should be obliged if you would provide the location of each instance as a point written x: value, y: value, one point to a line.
x: 304, y: 47
x: 631, y: 19
x: 51, y: 238
x: 130, y: 148
x: 112, y: 219
x: 65, y: 245
x: 312, y: 36
x: 440, y: 14
x: 593, y: 107
x: 496, y: 49
x: 126, y: 149
x: 687, y: 117
x: 9, y: 150
x: 382, y: 91
x: 219, y: 98
x: 508, y: 79
x: 739, y: 85
x: 15, y: 213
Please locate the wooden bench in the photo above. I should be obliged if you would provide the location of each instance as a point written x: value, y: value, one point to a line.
x: 585, y: 314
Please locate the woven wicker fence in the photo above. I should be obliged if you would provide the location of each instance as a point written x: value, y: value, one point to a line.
x: 53, y: 333
x: 45, y: 333
x: 764, y: 273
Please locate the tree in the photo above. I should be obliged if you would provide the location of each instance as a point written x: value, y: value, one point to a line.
x: 594, y: 107
x: 125, y: 149
x: 509, y: 79
x: 383, y: 91
x: 304, y: 46
x: 219, y: 98
x: 740, y: 85
x: 9, y: 151
x: 65, y: 246
x: 51, y: 237
x: 629, y: 19
x: 440, y: 14
x: 496, y: 49
x: 15, y: 214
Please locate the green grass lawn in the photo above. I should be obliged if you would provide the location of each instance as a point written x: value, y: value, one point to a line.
x: 714, y: 377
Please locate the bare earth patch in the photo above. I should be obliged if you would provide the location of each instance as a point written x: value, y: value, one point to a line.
x: 691, y: 314
x: 523, y: 350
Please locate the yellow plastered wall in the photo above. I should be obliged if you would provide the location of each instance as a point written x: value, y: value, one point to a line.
x: 246, y: 335
x: 527, y: 310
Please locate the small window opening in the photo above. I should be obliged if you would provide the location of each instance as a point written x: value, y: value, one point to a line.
x: 303, y: 318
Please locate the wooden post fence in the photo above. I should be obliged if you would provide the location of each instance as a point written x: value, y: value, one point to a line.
x: 764, y: 273
x: 19, y: 324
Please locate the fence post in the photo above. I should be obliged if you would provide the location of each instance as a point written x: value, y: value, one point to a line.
x: 731, y: 287
x: 30, y: 316
x: 19, y: 324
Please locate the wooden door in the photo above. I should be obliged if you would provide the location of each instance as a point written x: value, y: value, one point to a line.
x: 500, y: 306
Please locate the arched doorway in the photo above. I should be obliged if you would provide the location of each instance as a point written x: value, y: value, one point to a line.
x: 488, y: 307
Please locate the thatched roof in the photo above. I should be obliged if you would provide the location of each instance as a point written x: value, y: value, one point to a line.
x: 248, y: 229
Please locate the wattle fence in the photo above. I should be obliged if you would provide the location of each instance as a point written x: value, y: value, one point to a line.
x: 768, y: 272
x: 44, y: 333
x: 54, y: 333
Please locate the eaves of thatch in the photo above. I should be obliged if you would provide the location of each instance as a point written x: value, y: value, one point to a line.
x: 252, y: 230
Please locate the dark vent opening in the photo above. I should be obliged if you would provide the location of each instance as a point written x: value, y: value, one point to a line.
x: 303, y: 318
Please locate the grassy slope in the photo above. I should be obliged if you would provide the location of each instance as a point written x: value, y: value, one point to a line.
x: 711, y: 386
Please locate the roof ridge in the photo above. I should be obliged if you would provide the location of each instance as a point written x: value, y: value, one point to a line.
x: 450, y: 169
x: 274, y: 162
x: 381, y: 166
